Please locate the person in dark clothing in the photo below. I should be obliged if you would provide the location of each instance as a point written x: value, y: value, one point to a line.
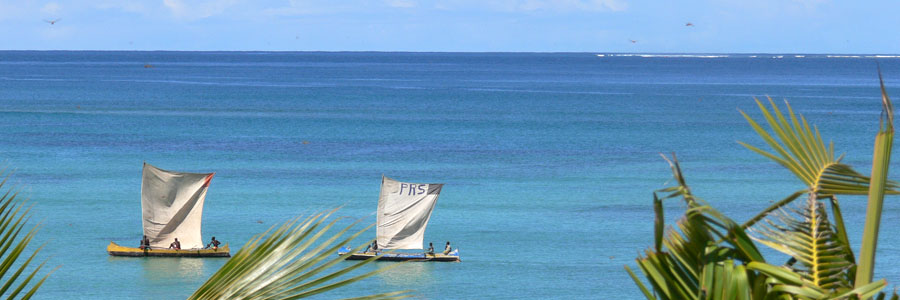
x: 375, y: 247
x: 145, y: 243
x: 175, y: 245
x: 430, y: 249
x: 214, y: 243
x: 447, y: 248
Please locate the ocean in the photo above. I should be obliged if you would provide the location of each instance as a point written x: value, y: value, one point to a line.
x: 549, y: 159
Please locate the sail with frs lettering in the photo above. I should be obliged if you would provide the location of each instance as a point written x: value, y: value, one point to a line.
x: 403, y: 212
x: 172, y: 206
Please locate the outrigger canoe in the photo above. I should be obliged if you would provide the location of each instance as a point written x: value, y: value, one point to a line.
x: 451, y: 257
x: 172, y: 209
x: 116, y: 250
x: 404, y: 209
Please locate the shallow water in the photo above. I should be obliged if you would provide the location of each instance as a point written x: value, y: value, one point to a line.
x: 549, y: 160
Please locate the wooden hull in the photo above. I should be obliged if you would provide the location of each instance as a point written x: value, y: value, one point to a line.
x: 116, y: 250
x: 401, y: 256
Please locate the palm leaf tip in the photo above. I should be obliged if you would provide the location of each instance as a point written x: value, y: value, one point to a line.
x: 887, y: 106
x: 291, y: 261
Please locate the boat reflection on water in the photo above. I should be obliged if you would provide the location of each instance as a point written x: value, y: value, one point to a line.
x: 155, y: 275
x: 407, y: 274
x: 165, y: 269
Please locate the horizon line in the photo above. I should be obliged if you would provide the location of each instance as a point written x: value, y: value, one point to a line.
x: 472, y: 52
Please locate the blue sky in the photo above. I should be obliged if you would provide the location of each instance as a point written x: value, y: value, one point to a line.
x: 724, y: 26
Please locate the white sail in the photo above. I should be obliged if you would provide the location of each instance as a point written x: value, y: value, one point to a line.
x: 172, y: 206
x: 403, y: 212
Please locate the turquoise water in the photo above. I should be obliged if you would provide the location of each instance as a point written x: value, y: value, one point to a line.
x: 549, y: 160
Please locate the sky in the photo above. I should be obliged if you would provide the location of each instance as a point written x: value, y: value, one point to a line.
x: 631, y: 26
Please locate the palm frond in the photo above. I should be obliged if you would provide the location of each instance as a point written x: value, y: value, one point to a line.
x: 879, y: 185
x: 725, y: 279
x: 786, y: 284
x: 706, y: 255
x: 772, y: 208
x: 800, y: 149
x: 13, y: 217
x: 784, y: 281
x: 691, y: 261
x: 681, y: 189
x: 805, y: 233
x: 841, y: 231
x: 883, y: 295
x: 295, y: 260
x: 640, y: 284
x: 708, y: 223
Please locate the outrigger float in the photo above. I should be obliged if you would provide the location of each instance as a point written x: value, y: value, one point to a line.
x: 116, y: 250
x: 450, y: 257
x: 403, y: 212
x: 172, y: 209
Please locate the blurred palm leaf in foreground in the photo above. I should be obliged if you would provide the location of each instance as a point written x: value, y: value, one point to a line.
x: 12, y: 221
x: 296, y: 260
x: 709, y: 256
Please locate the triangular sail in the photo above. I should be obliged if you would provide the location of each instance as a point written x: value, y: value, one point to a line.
x: 403, y: 212
x: 172, y: 206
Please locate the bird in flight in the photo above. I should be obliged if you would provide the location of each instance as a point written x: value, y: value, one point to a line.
x: 52, y: 21
x: 689, y: 24
x: 633, y: 41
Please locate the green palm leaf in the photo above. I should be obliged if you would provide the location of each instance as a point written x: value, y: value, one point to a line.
x: 881, y: 160
x: 800, y: 149
x: 295, y: 260
x: 706, y: 255
x: 13, y: 217
x: 805, y: 233
x: 701, y: 256
x: 681, y: 189
x: 786, y: 284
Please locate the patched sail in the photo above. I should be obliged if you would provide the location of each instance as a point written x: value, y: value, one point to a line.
x: 172, y: 206
x: 403, y: 212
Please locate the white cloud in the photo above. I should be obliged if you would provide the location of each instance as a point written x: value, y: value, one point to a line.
x: 198, y: 9
x: 402, y: 3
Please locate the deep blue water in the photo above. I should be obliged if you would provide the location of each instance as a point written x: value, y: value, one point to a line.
x: 549, y: 160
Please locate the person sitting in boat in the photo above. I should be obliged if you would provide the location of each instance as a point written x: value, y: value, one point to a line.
x: 175, y: 245
x: 430, y: 249
x: 214, y: 243
x: 447, y: 248
x: 145, y: 243
x: 375, y: 247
